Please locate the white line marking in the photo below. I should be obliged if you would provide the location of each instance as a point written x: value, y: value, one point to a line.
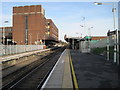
x: 43, y: 86
x: 62, y: 61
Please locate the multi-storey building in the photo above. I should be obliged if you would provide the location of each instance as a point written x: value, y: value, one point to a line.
x: 52, y: 30
x: 29, y: 27
x: 28, y: 24
x: 6, y: 35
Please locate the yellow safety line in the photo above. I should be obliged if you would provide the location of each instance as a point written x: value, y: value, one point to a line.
x: 73, y: 73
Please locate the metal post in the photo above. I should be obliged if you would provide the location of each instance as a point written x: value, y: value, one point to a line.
x: 84, y: 23
x: 89, y: 39
x: 108, y: 47
x: 4, y: 39
x: 79, y: 47
x: 7, y: 46
x: 89, y: 46
x: 115, y: 41
x: 115, y: 50
x: 73, y: 44
x: 12, y: 51
x: 68, y: 43
x: 117, y: 37
x: 3, y: 35
x: 113, y: 10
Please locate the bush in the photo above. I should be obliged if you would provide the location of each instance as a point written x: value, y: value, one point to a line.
x: 103, y: 51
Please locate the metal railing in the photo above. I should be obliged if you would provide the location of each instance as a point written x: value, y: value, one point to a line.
x: 15, y: 49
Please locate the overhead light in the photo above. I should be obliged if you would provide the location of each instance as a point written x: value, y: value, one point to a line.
x: 97, y: 3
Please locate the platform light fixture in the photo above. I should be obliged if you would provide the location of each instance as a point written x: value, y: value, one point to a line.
x: 116, y: 47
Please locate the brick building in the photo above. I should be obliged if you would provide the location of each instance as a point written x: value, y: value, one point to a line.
x: 98, y: 37
x: 31, y: 27
x: 52, y: 30
x: 28, y: 24
x: 6, y: 35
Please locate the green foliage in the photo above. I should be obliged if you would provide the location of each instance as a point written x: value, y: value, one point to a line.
x: 103, y: 51
x: 99, y: 50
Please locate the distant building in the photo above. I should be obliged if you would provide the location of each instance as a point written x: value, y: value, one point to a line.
x: 31, y: 27
x: 52, y: 30
x: 28, y: 24
x: 6, y: 35
x: 94, y: 38
x: 97, y: 38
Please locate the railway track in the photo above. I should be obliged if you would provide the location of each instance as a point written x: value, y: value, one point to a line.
x: 36, y: 77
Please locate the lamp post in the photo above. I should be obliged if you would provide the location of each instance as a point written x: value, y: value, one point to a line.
x: 89, y: 30
x: 116, y: 46
x: 89, y: 48
x: 84, y: 21
x: 4, y: 33
x: 113, y: 10
x: 79, y: 42
x: 89, y: 35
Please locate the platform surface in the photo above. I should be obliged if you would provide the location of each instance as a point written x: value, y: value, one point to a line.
x: 93, y: 71
x: 60, y: 76
x: 10, y: 57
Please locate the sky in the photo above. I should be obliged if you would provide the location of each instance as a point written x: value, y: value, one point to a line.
x: 69, y: 16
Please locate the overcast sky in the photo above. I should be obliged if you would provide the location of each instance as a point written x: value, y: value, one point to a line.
x: 68, y: 16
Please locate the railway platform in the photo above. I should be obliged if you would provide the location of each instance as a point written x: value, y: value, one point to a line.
x: 60, y: 76
x: 19, y: 55
x: 93, y: 71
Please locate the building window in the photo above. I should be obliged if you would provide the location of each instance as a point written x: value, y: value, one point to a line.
x: 0, y: 34
x: 0, y: 29
x: 48, y: 23
x: 26, y: 22
x: 8, y: 29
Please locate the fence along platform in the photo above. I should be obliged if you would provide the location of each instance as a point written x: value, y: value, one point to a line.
x: 15, y: 49
x: 17, y: 56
